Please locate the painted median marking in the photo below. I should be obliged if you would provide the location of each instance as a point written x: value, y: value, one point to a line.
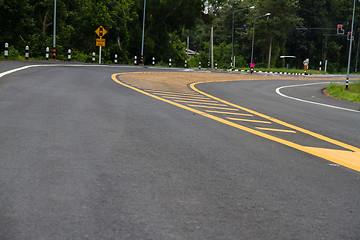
x: 349, y: 158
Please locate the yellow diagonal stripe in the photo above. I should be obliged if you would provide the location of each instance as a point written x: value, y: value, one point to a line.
x: 183, y: 97
x: 248, y: 120
x: 203, y: 106
x: 231, y: 113
x: 207, y: 103
x: 276, y: 130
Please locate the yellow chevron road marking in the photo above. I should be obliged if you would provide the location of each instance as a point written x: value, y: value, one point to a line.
x: 350, y: 159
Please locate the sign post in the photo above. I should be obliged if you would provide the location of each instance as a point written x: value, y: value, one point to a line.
x: 100, y: 42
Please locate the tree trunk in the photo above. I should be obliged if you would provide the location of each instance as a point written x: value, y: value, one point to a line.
x: 45, y: 25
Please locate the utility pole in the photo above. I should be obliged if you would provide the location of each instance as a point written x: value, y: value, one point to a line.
x: 351, y: 38
x: 212, y: 48
x: 142, y: 37
x: 54, y: 32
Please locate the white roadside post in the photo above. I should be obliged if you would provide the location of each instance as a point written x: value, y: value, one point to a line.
x: 27, y: 52
x: 6, y: 53
x: 93, y: 57
x: 47, y: 54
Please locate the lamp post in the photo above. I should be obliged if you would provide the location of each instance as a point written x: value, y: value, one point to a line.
x: 54, y: 33
x: 142, y: 38
x: 349, y: 59
x: 252, y: 46
x: 232, y: 31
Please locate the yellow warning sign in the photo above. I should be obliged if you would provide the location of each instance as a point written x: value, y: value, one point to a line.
x: 100, y: 31
x: 100, y: 42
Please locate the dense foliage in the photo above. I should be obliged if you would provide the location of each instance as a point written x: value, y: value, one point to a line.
x: 301, y: 28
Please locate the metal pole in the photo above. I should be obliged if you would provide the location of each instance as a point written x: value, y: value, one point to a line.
x: 233, y: 33
x: 357, y: 53
x: 100, y: 55
x: 143, y: 32
x: 252, y: 45
x: 212, y: 48
x: 54, y: 32
x: 349, y: 59
x: 232, y: 48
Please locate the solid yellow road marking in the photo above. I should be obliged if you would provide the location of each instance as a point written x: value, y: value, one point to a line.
x: 341, y: 157
x: 231, y: 113
x: 203, y: 106
x: 248, y: 120
x: 316, y: 135
x: 276, y: 130
x: 207, y: 103
x: 346, y: 158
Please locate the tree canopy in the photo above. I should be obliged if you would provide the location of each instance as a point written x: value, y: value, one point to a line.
x: 301, y: 28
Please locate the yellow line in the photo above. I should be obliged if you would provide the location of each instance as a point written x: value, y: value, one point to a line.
x: 248, y: 120
x: 207, y: 103
x: 353, y: 163
x: 276, y: 130
x: 232, y: 113
x: 202, y: 106
x: 316, y: 135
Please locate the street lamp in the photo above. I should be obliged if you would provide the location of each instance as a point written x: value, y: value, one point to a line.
x: 232, y: 49
x: 142, y: 38
x: 351, y: 38
x: 252, y: 47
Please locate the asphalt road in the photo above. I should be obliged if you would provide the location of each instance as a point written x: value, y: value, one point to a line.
x: 82, y: 157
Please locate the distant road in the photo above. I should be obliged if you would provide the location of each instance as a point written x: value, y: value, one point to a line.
x: 122, y: 152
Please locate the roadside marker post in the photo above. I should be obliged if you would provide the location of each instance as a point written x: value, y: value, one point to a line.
x: 170, y: 62
x: 6, y: 53
x: 27, y: 52
x: 115, y: 61
x: 215, y: 66
x: 47, y: 54
x: 93, y: 57
x: 199, y: 65
x: 153, y: 61
x: 135, y: 60
x: 69, y: 55
x: 186, y: 64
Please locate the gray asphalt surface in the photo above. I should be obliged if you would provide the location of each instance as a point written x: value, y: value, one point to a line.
x: 82, y: 157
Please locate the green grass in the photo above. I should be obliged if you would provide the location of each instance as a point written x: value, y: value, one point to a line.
x: 338, y: 91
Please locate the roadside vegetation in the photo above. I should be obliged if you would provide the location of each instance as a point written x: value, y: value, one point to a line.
x: 338, y: 91
x: 299, y: 28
